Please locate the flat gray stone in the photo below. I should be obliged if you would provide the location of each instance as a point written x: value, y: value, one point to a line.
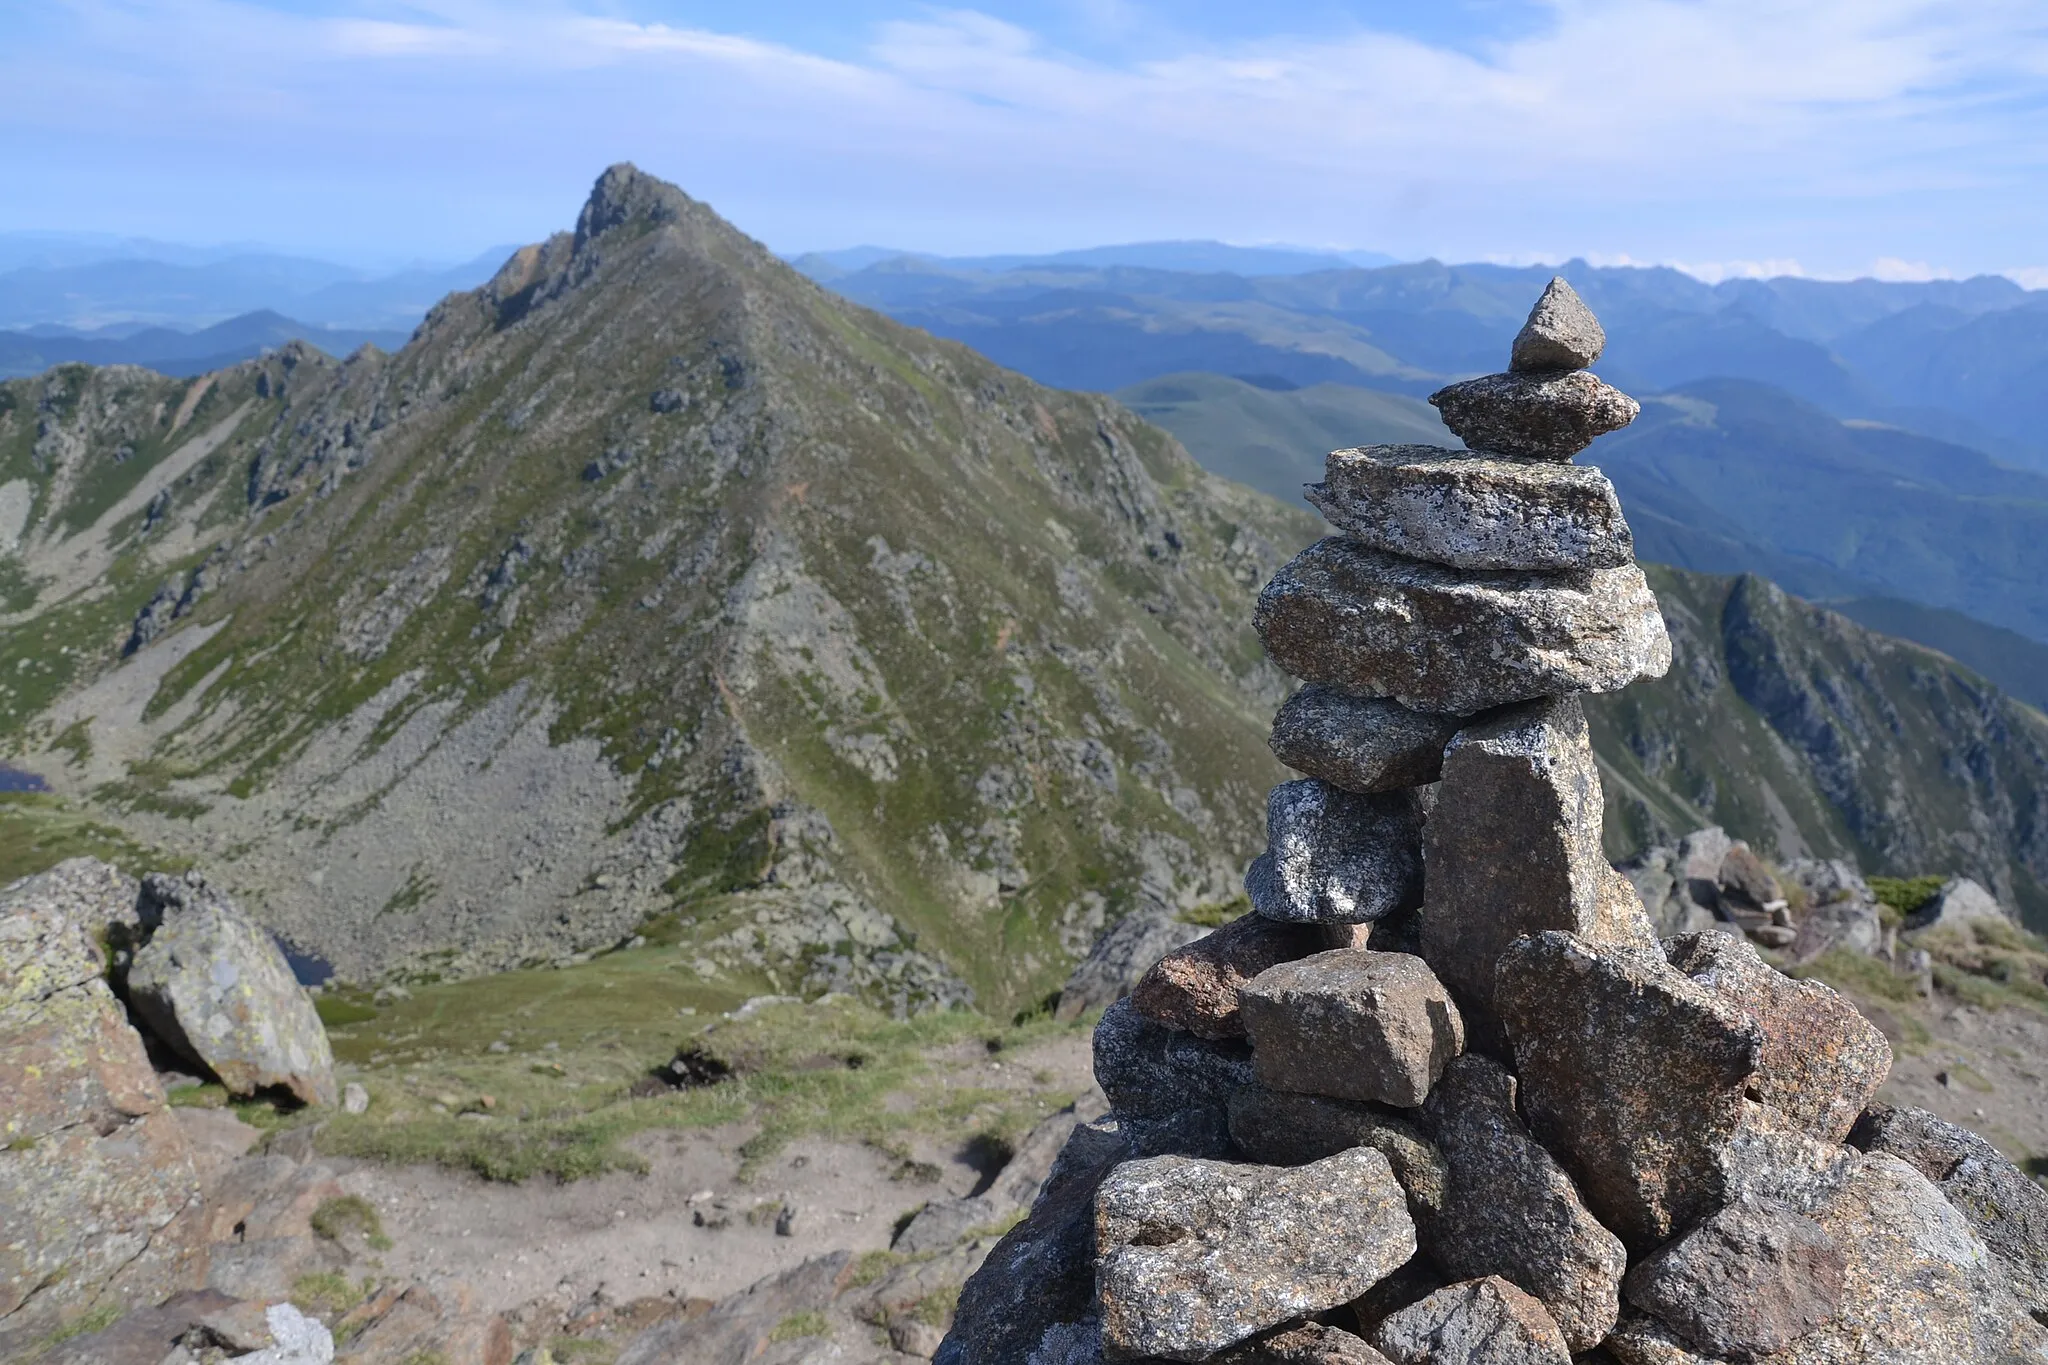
x: 1561, y: 333
x: 1283, y: 1128
x: 1514, y: 848
x: 1552, y: 415
x: 1362, y: 744
x: 1510, y: 1210
x: 1336, y: 857
x: 1352, y: 1024
x: 1448, y: 640
x: 1746, y: 1281
x: 1478, y: 1322
x: 1475, y: 512
x: 1631, y: 1072
x: 2000, y: 1202
x: 1194, y: 1256
x: 1821, y: 1062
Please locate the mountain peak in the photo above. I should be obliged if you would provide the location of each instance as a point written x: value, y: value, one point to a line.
x: 626, y: 196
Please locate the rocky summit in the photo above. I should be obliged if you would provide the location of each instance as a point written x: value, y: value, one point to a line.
x: 1591, y: 1140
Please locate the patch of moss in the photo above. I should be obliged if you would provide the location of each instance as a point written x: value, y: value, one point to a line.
x: 329, y: 1293
x: 1900, y: 897
x: 350, y: 1214
x: 93, y: 1320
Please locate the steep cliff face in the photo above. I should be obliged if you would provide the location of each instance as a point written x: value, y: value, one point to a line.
x: 648, y: 583
x: 1806, y: 733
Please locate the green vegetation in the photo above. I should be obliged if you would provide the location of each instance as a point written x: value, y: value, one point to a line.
x: 92, y: 1320
x: 38, y: 830
x: 1989, y: 963
x: 350, y: 1215
x: 329, y: 1293
x: 583, y: 1050
x: 807, y: 1323
x: 1900, y: 897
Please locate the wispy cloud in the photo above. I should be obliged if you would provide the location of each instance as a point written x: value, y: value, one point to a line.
x: 1734, y: 132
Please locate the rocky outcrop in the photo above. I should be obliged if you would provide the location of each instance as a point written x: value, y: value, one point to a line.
x: 217, y: 990
x: 1604, y: 1144
x: 99, y: 1199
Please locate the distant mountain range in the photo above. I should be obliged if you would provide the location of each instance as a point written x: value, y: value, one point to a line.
x: 173, y: 352
x: 1199, y: 257
x: 85, y: 283
x: 1964, y: 360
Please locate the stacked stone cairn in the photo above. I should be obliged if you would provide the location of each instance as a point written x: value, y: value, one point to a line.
x: 1442, y: 1096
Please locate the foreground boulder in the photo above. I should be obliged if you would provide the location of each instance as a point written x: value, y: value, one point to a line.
x: 1508, y: 1208
x: 1281, y: 1128
x: 1745, y: 1282
x: 1352, y: 1024
x: 1194, y: 1256
x: 215, y: 988
x: 1479, y: 1322
x: 99, y: 1200
x: 1998, y: 1200
x: 1633, y: 1073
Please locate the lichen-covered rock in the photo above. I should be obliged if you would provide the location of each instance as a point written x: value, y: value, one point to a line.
x: 1478, y: 1322
x: 1167, y: 1086
x: 1542, y: 416
x: 1561, y: 333
x: 1447, y: 640
x: 1510, y: 1210
x: 1196, y: 987
x: 1513, y: 848
x: 100, y: 1203
x: 1336, y: 857
x: 2002, y: 1205
x: 1312, y: 1343
x: 215, y: 988
x: 1282, y: 1128
x: 1038, y: 1282
x: 1919, y: 1287
x: 1747, y: 1280
x: 1821, y: 1060
x: 1352, y: 1024
x: 1473, y: 512
x: 1194, y: 1256
x: 1632, y: 1072
x: 1362, y: 744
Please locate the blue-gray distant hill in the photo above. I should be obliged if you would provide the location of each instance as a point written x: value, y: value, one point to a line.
x: 172, y: 352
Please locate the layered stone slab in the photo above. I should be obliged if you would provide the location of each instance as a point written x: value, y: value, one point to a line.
x: 1439, y: 639
x: 1362, y: 744
x: 1547, y: 415
x: 1475, y: 512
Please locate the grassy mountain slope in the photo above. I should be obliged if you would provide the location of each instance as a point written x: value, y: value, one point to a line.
x: 1274, y: 438
x: 2011, y: 660
x: 652, y: 586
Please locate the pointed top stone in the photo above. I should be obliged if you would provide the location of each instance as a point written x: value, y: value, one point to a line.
x: 1561, y: 333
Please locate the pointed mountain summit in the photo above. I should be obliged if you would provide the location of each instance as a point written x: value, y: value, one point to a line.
x: 651, y: 588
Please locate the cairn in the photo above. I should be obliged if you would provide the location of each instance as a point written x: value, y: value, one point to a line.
x: 1443, y: 1096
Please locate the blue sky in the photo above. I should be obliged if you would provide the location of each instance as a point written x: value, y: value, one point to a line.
x: 1834, y: 137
